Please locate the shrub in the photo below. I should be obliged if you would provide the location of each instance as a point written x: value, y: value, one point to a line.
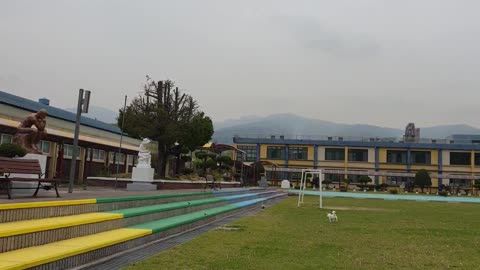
x: 364, y: 180
x: 422, y: 179
x: 443, y: 193
x: 11, y: 150
x: 201, y: 155
x: 186, y: 158
x: 225, y: 160
x: 393, y: 191
x: 187, y: 171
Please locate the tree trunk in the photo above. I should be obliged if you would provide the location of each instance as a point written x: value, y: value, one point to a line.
x: 162, y: 161
x: 177, y: 164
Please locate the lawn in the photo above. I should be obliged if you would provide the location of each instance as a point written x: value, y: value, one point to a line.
x: 370, y: 234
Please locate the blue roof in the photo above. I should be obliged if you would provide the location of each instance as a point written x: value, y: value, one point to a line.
x: 33, y: 106
x: 358, y: 144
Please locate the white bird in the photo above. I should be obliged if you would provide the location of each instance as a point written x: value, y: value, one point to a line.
x: 332, y: 217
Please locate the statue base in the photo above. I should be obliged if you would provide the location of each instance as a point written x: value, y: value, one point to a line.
x: 29, y: 187
x: 142, y: 174
x: 141, y: 187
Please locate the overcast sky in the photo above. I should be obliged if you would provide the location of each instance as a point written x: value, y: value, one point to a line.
x: 361, y: 61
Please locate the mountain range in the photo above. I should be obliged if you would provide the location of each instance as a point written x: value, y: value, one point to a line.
x: 99, y: 113
x: 295, y: 126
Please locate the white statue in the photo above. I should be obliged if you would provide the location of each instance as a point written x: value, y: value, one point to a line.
x: 144, y: 155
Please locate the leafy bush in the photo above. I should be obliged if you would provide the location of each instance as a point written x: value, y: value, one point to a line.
x: 187, y: 171
x: 443, y: 193
x: 212, y: 164
x: 11, y: 150
x: 393, y: 191
x: 422, y: 179
x: 201, y: 155
x: 186, y: 158
x: 225, y: 160
x: 364, y: 180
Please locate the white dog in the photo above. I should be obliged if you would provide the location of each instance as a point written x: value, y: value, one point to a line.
x: 332, y: 217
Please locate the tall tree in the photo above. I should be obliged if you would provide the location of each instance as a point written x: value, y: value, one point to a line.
x: 168, y: 116
x: 422, y: 179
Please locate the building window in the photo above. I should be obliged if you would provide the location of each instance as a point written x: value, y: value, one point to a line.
x: 334, y: 154
x: 6, y: 138
x: 120, y: 157
x: 250, y: 153
x: 360, y: 155
x: 396, y: 157
x: 98, y: 155
x: 353, y: 178
x: 295, y: 176
x: 477, y: 159
x: 460, y: 158
x: 421, y: 157
x: 68, y: 150
x: 334, y: 177
x: 298, y: 153
x: 396, y: 180
x: 275, y: 152
x: 460, y: 183
x: 44, y: 146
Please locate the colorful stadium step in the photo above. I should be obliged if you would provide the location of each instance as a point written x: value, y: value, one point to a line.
x: 36, y: 210
x: 21, y: 234
x: 76, y: 251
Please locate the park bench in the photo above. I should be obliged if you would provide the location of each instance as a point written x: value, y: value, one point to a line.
x: 10, y: 166
x: 212, y: 183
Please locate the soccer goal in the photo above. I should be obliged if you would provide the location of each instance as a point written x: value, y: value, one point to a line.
x: 307, y: 174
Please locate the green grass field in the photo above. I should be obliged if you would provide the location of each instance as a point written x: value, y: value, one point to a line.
x: 370, y: 234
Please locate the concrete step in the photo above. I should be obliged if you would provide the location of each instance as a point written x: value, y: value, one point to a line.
x: 37, y: 210
x: 28, y: 233
x: 82, y: 250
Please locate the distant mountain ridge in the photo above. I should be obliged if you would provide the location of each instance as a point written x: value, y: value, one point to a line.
x: 291, y: 125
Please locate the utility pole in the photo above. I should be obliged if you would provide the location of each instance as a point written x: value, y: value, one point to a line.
x: 121, y: 140
x: 82, y: 107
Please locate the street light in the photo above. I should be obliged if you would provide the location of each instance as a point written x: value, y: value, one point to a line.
x: 82, y: 107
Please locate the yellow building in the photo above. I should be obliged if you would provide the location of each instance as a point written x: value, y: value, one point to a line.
x: 449, y: 162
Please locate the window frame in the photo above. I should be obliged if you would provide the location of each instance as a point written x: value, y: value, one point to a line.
x: 281, y: 149
x: 340, y: 152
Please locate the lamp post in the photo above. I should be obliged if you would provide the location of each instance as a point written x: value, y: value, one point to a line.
x: 82, y: 107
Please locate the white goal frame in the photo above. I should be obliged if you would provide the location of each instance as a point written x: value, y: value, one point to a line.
x: 303, y: 184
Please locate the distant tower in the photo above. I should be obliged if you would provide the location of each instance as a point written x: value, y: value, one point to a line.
x: 412, y: 134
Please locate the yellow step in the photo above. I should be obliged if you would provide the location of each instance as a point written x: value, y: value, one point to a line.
x: 35, y: 256
x: 10, y: 206
x: 36, y: 225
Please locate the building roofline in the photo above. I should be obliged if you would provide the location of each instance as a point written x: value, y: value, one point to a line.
x: 401, y: 145
x: 33, y: 106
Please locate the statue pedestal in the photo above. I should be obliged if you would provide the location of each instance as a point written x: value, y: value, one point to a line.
x: 29, y: 187
x: 143, y: 176
x: 141, y: 186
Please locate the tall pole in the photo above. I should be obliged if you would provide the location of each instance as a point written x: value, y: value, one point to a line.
x: 73, y: 163
x: 121, y: 140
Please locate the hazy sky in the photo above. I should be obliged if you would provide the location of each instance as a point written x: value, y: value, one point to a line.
x: 360, y: 61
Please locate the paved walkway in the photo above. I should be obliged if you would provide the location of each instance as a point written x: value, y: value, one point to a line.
x: 91, y: 193
x: 422, y: 198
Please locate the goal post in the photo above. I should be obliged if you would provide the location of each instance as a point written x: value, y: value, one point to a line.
x: 303, y: 184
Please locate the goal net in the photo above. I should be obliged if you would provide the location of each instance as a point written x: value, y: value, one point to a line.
x: 312, y: 175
